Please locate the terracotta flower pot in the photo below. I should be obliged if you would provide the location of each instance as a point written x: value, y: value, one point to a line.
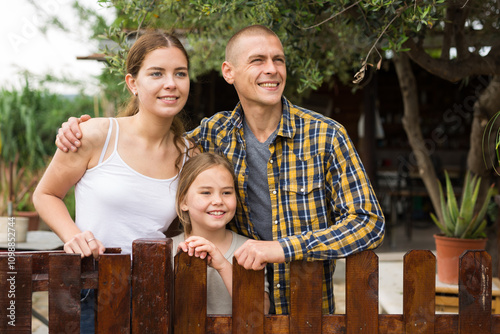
x: 449, y: 251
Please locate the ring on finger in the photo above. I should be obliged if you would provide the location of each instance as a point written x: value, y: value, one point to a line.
x: 91, y: 239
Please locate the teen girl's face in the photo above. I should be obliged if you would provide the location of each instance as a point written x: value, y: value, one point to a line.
x: 162, y: 84
x: 210, y: 200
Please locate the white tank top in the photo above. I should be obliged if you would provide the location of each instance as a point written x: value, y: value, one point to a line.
x: 118, y: 204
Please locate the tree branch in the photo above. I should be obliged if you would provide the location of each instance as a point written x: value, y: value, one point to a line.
x: 453, y: 70
x: 333, y: 16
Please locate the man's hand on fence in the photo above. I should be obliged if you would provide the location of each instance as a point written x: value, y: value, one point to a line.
x: 255, y: 254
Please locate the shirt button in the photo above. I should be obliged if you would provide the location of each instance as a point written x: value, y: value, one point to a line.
x: 302, y: 189
x: 276, y: 222
x: 271, y: 161
x: 278, y: 285
x: 274, y: 192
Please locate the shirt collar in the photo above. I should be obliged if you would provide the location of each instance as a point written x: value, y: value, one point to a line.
x: 286, y: 127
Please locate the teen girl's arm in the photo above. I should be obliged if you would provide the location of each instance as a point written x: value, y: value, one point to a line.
x: 63, y: 172
x: 201, y: 247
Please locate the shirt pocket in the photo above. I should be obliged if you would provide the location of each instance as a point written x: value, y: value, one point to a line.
x: 304, y: 193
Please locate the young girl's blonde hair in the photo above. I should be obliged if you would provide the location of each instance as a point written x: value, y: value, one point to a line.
x: 192, y: 168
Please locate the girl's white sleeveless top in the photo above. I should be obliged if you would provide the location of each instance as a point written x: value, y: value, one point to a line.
x: 118, y: 204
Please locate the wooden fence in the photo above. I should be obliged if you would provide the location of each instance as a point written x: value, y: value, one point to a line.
x: 146, y: 296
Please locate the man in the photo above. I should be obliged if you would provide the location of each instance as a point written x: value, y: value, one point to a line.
x: 304, y: 194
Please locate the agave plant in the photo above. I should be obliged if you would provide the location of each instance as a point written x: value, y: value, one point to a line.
x: 464, y: 221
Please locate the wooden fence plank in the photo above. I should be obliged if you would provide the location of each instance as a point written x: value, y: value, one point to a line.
x: 362, y: 293
x: 190, y: 308
x: 64, y: 293
x: 248, y: 300
x: 419, y: 284
x: 152, y: 287
x: 15, y: 294
x: 306, y: 288
x: 475, y: 292
x: 113, y: 298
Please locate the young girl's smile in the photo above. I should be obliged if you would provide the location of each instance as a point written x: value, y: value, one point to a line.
x: 210, y: 200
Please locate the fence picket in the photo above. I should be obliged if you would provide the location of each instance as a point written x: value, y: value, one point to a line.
x: 419, y: 291
x: 475, y: 292
x: 152, y: 287
x: 190, y: 310
x: 15, y: 294
x: 362, y: 293
x: 248, y: 300
x: 64, y: 293
x: 306, y: 291
x: 113, y: 298
x: 64, y: 275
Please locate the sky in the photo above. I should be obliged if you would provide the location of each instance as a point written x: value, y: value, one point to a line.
x: 24, y: 47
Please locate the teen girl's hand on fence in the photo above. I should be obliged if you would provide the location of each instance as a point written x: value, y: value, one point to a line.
x: 69, y: 134
x: 85, y: 244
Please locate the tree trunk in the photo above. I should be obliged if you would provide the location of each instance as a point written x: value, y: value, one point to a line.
x: 411, y: 124
x: 487, y: 104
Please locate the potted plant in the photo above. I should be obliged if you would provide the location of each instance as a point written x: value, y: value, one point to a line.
x: 22, y: 157
x: 462, y: 227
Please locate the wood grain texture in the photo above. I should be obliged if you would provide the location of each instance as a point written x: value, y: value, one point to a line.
x: 419, y: 283
x: 191, y: 294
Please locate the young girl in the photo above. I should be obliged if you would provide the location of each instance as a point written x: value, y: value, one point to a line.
x: 205, y: 203
x: 126, y: 172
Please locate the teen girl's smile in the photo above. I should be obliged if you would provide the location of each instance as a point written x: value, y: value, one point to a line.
x: 162, y: 84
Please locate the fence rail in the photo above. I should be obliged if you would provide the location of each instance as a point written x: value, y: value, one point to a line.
x: 147, y: 296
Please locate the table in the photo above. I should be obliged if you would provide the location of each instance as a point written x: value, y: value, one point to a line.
x: 37, y: 241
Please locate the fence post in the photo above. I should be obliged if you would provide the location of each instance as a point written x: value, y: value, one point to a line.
x: 64, y: 293
x: 152, y: 286
x: 419, y: 295
x: 190, y: 307
x: 362, y: 293
x: 475, y: 292
x: 113, y: 294
x: 15, y: 294
x: 306, y: 296
x: 248, y: 300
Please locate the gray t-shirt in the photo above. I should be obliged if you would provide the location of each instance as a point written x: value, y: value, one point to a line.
x: 259, y: 200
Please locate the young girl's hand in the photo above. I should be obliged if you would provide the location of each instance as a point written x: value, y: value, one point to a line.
x: 86, y: 244
x: 201, y: 247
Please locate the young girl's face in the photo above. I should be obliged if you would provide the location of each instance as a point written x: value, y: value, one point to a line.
x: 210, y: 200
x: 162, y: 84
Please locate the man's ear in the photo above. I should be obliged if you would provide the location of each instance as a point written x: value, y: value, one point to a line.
x: 227, y: 72
x: 131, y: 83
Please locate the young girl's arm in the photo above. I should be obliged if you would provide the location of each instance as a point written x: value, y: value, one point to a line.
x: 63, y: 172
x: 201, y: 247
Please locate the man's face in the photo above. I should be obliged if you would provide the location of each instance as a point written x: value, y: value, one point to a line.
x: 257, y: 70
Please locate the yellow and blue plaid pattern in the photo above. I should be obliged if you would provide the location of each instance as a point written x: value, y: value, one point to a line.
x: 323, y: 205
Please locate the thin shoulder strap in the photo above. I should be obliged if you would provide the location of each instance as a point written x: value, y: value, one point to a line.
x: 104, y: 149
x: 117, y: 132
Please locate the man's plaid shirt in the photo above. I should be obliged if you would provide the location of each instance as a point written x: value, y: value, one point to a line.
x: 323, y: 205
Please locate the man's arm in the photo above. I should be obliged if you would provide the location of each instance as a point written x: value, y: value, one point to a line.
x: 357, y: 222
x: 255, y: 254
x: 69, y: 134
